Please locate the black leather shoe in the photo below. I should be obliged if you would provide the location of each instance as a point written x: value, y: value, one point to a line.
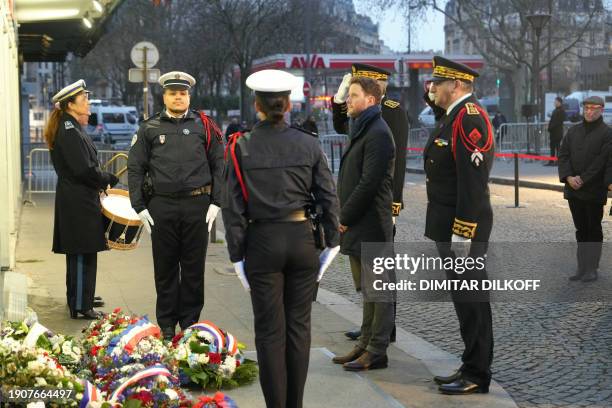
x: 352, y: 355
x: 462, y: 387
x: 590, y: 276
x: 87, y: 314
x: 439, y: 379
x: 168, y: 333
x: 367, y: 361
x: 578, y: 276
x: 353, y: 334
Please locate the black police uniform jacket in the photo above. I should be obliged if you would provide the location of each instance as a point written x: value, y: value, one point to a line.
x: 281, y: 169
x: 397, y: 120
x: 458, y: 158
x: 365, y: 183
x: 177, y: 155
x: 79, y: 226
x: 584, y: 152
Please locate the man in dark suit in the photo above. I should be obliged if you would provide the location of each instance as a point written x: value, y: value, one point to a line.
x: 458, y: 158
x: 397, y: 120
x: 365, y: 190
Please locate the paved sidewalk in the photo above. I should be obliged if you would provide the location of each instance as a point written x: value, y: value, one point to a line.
x: 125, y: 279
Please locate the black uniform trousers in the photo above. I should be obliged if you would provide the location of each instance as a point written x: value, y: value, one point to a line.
x: 474, y: 312
x: 179, y: 238
x: 281, y: 266
x: 81, y: 280
x: 587, y: 216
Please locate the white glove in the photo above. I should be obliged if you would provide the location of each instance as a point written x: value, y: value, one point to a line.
x: 340, y: 96
x: 146, y: 219
x: 211, y: 214
x: 461, y: 245
x: 394, y: 220
x: 325, y: 259
x: 239, y: 268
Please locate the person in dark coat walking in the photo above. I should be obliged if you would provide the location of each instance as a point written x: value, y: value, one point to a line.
x: 78, y: 230
x: 555, y: 129
x: 232, y: 128
x: 310, y: 124
x: 582, y: 167
x: 269, y: 237
x: 395, y: 116
x: 365, y: 190
x: 182, y: 152
x: 458, y: 158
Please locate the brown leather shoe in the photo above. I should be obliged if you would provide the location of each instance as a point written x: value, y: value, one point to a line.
x: 352, y: 355
x: 367, y: 361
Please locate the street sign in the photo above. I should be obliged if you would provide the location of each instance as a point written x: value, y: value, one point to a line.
x: 137, y: 75
x: 306, y: 88
x: 139, y: 56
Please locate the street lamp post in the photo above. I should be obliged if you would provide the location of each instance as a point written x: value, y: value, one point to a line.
x: 537, y: 21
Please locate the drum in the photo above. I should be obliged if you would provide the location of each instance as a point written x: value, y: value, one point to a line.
x: 121, y: 223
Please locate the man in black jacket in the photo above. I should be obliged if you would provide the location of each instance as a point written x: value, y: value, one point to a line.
x: 182, y: 152
x: 394, y: 115
x: 582, y: 161
x: 365, y: 190
x: 555, y: 128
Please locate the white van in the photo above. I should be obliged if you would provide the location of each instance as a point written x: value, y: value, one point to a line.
x: 114, y: 125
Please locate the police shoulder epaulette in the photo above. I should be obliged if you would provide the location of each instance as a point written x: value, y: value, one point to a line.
x: 308, y: 132
x: 391, y: 103
x: 471, y: 108
x: 68, y: 125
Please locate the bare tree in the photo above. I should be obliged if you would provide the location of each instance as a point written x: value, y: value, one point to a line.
x: 500, y: 31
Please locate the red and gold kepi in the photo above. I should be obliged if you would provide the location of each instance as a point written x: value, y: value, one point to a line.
x: 370, y: 71
x: 444, y: 69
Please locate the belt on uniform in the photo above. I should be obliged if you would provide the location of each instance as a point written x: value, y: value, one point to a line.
x: 294, y: 216
x: 193, y: 193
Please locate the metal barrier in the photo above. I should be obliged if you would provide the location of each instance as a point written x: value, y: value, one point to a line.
x: 333, y: 147
x: 41, y: 177
x: 530, y: 138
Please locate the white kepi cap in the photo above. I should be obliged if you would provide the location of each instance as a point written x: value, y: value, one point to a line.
x: 272, y: 81
x: 70, y: 90
x: 177, y: 79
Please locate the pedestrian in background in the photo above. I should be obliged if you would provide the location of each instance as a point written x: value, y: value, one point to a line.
x: 555, y: 129
x: 583, y: 156
x: 498, y: 120
x: 310, y: 124
x: 232, y: 128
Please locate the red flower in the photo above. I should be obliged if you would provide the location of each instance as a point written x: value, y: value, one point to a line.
x: 214, y: 358
x: 117, y: 310
x: 237, y: 363
x: 94, y: 350
x: 145, y: 397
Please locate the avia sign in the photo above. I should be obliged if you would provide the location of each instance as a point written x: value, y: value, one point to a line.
x: 301, y: 62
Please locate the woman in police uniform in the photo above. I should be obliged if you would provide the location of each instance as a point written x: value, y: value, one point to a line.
x: 78, y: 230
x: 272, y: 173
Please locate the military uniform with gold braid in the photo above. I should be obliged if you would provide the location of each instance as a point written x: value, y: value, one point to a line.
x: 394, y: 114
x: 458, y: 159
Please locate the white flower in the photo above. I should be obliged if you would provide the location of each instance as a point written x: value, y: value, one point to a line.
x: 35, y: 367
x: 203, y: 358
x: 171, y: 393
x: 162, y: 379
x: 39, y: 382
x: 11, y: 368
